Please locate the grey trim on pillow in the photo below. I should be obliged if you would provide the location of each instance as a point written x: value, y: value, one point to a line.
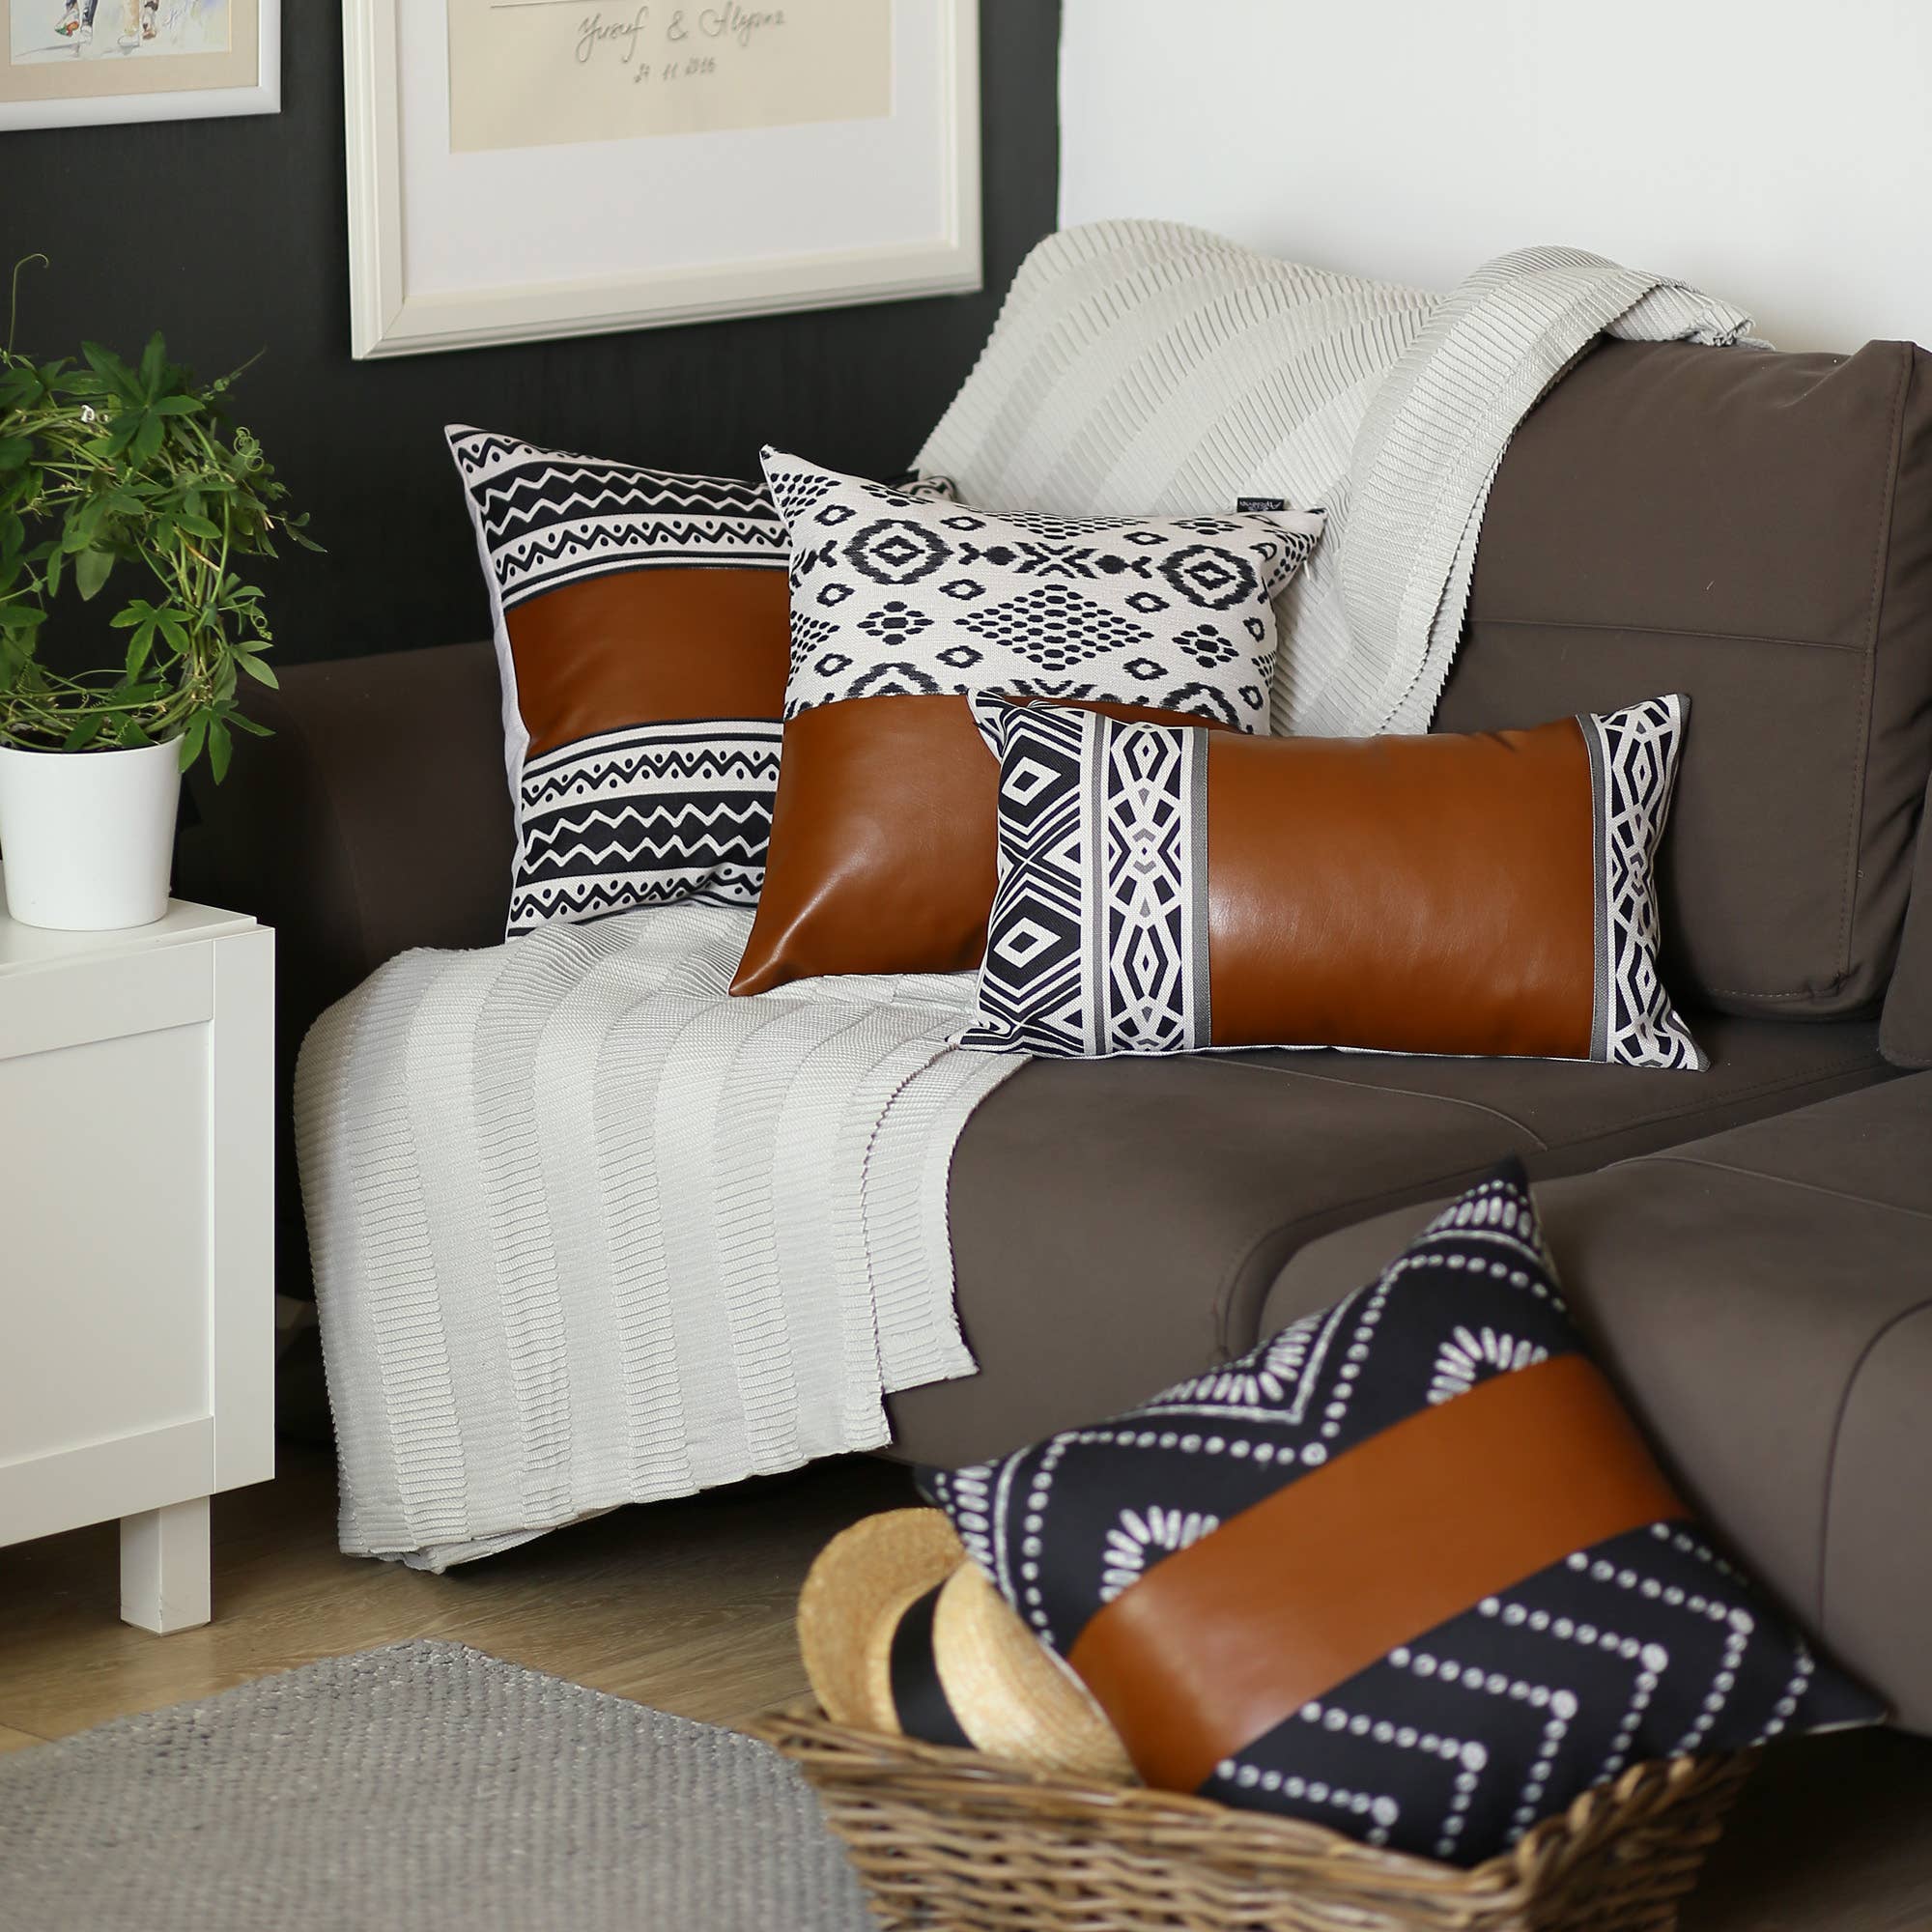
x: 1600, y: 977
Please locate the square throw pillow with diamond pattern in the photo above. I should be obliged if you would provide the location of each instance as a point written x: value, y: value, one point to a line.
x: 882, y: 850
x: 1164, y: 889
x: 641, y: 620
x: 1407, y: 1568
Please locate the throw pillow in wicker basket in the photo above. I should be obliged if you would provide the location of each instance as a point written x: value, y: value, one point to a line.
x: 1407, y: 1568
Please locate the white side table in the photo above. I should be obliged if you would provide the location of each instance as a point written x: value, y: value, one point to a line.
x: 137, y: 1241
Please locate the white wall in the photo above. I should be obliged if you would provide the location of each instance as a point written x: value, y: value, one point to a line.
x: 1777, y: 154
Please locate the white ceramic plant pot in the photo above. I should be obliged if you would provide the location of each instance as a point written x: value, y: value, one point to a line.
x: 87, y: 837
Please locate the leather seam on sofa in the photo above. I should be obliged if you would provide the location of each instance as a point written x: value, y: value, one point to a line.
x: 1678, y: 631
x: 1682, y: 1159
x: 1573, y: 1154
x: 1624, y: 1126
x: 1866, y: 1355
x: 1363, y: 1208
x: 1874, y: 626
x: 1406, y: 1093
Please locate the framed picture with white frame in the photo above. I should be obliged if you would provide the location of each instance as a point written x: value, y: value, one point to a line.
x: 80, y: 63
x: 520, y: 169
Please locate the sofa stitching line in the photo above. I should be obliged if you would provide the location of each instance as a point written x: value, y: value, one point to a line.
x: 1424, y: 1192
x: 1837, y: 1436
x: 1223, y: 1303
x: 1545, y: 1147
x: 1831, y: 985
x: 1887, y: 510
x: 1669, y: 631
x: 1682, y: 1158
x: 1408, y: 1093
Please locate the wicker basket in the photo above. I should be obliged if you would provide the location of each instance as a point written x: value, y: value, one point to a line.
x: 951, y: 1839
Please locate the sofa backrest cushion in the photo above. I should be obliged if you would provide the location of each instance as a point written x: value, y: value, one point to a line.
x: 1905, y: 1032
x: 1755, y: 530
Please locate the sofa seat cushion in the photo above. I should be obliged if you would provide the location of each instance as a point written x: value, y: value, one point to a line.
x: 1763, y: 1298
x: 1117, y: 1224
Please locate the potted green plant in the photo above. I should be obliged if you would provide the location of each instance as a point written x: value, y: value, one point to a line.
x: 112, y: 471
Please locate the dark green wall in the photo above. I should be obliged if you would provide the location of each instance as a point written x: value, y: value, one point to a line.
x: 230, y: 236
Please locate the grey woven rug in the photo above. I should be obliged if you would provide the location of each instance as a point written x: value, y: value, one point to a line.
x: 420, y: 1786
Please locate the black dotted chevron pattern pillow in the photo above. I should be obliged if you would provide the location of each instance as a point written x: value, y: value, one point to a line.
x: 1462, y: 1732
x: 896, y: 597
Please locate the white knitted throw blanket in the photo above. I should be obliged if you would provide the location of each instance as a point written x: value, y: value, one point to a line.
x: 1145, y: 366
x: 585, y: 1230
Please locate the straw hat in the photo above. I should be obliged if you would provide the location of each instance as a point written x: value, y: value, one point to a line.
x: 902, y: 1634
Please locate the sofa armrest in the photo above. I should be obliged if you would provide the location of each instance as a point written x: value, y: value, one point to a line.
x: 377, y: 818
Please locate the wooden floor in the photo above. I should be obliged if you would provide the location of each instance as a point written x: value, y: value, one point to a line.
x: 688, y: 1607
x: 685, y: 1605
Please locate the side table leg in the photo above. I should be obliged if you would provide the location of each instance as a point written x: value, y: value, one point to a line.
x: 164, y: 1567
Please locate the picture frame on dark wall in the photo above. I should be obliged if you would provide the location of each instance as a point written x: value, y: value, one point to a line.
x: 524, y: 169
x: 88, y: 63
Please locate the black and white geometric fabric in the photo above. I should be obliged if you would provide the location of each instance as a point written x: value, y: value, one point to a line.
x: 1633, y: 757
x: 1098, y: 938
x: 1097, y: 943
x: 651, y: 809
x: 1645, y: 1645
x: 895, y: 596
x: 545, y: 517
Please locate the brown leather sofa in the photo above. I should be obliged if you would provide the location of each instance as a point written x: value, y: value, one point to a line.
x: 1752, y: 1246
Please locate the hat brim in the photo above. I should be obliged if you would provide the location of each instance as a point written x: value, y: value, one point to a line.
x: 864, y: 1582
x: 1013, y: 1697
x: 1010, y: 1695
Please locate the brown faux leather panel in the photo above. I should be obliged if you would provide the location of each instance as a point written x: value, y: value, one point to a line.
x: 1430, y: 894
x: 650, y: 646
x: 1755, y: 530
x: 884, y: 836
x: 882, y: 844
x: 1220, y: 1642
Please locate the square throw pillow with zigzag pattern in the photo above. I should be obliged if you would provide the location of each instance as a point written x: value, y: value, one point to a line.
x: 642, y: 626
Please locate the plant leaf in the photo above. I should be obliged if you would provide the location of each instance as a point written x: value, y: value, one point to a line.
x: 153, y: 364
x: 262, y: 673
x: 91, y: 569
x: 191, y: 740
x: 147, y: 438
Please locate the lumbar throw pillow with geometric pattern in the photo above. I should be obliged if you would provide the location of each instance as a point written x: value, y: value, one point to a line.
x: 908, y: 598
x: 641, y: 620
x: 1164, y: 889
x: 1407, y: 1568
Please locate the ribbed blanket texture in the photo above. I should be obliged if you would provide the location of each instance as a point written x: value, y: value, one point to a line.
x: 1145, y: 366
x: 588, y: 1232
x: 585, y: 1230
